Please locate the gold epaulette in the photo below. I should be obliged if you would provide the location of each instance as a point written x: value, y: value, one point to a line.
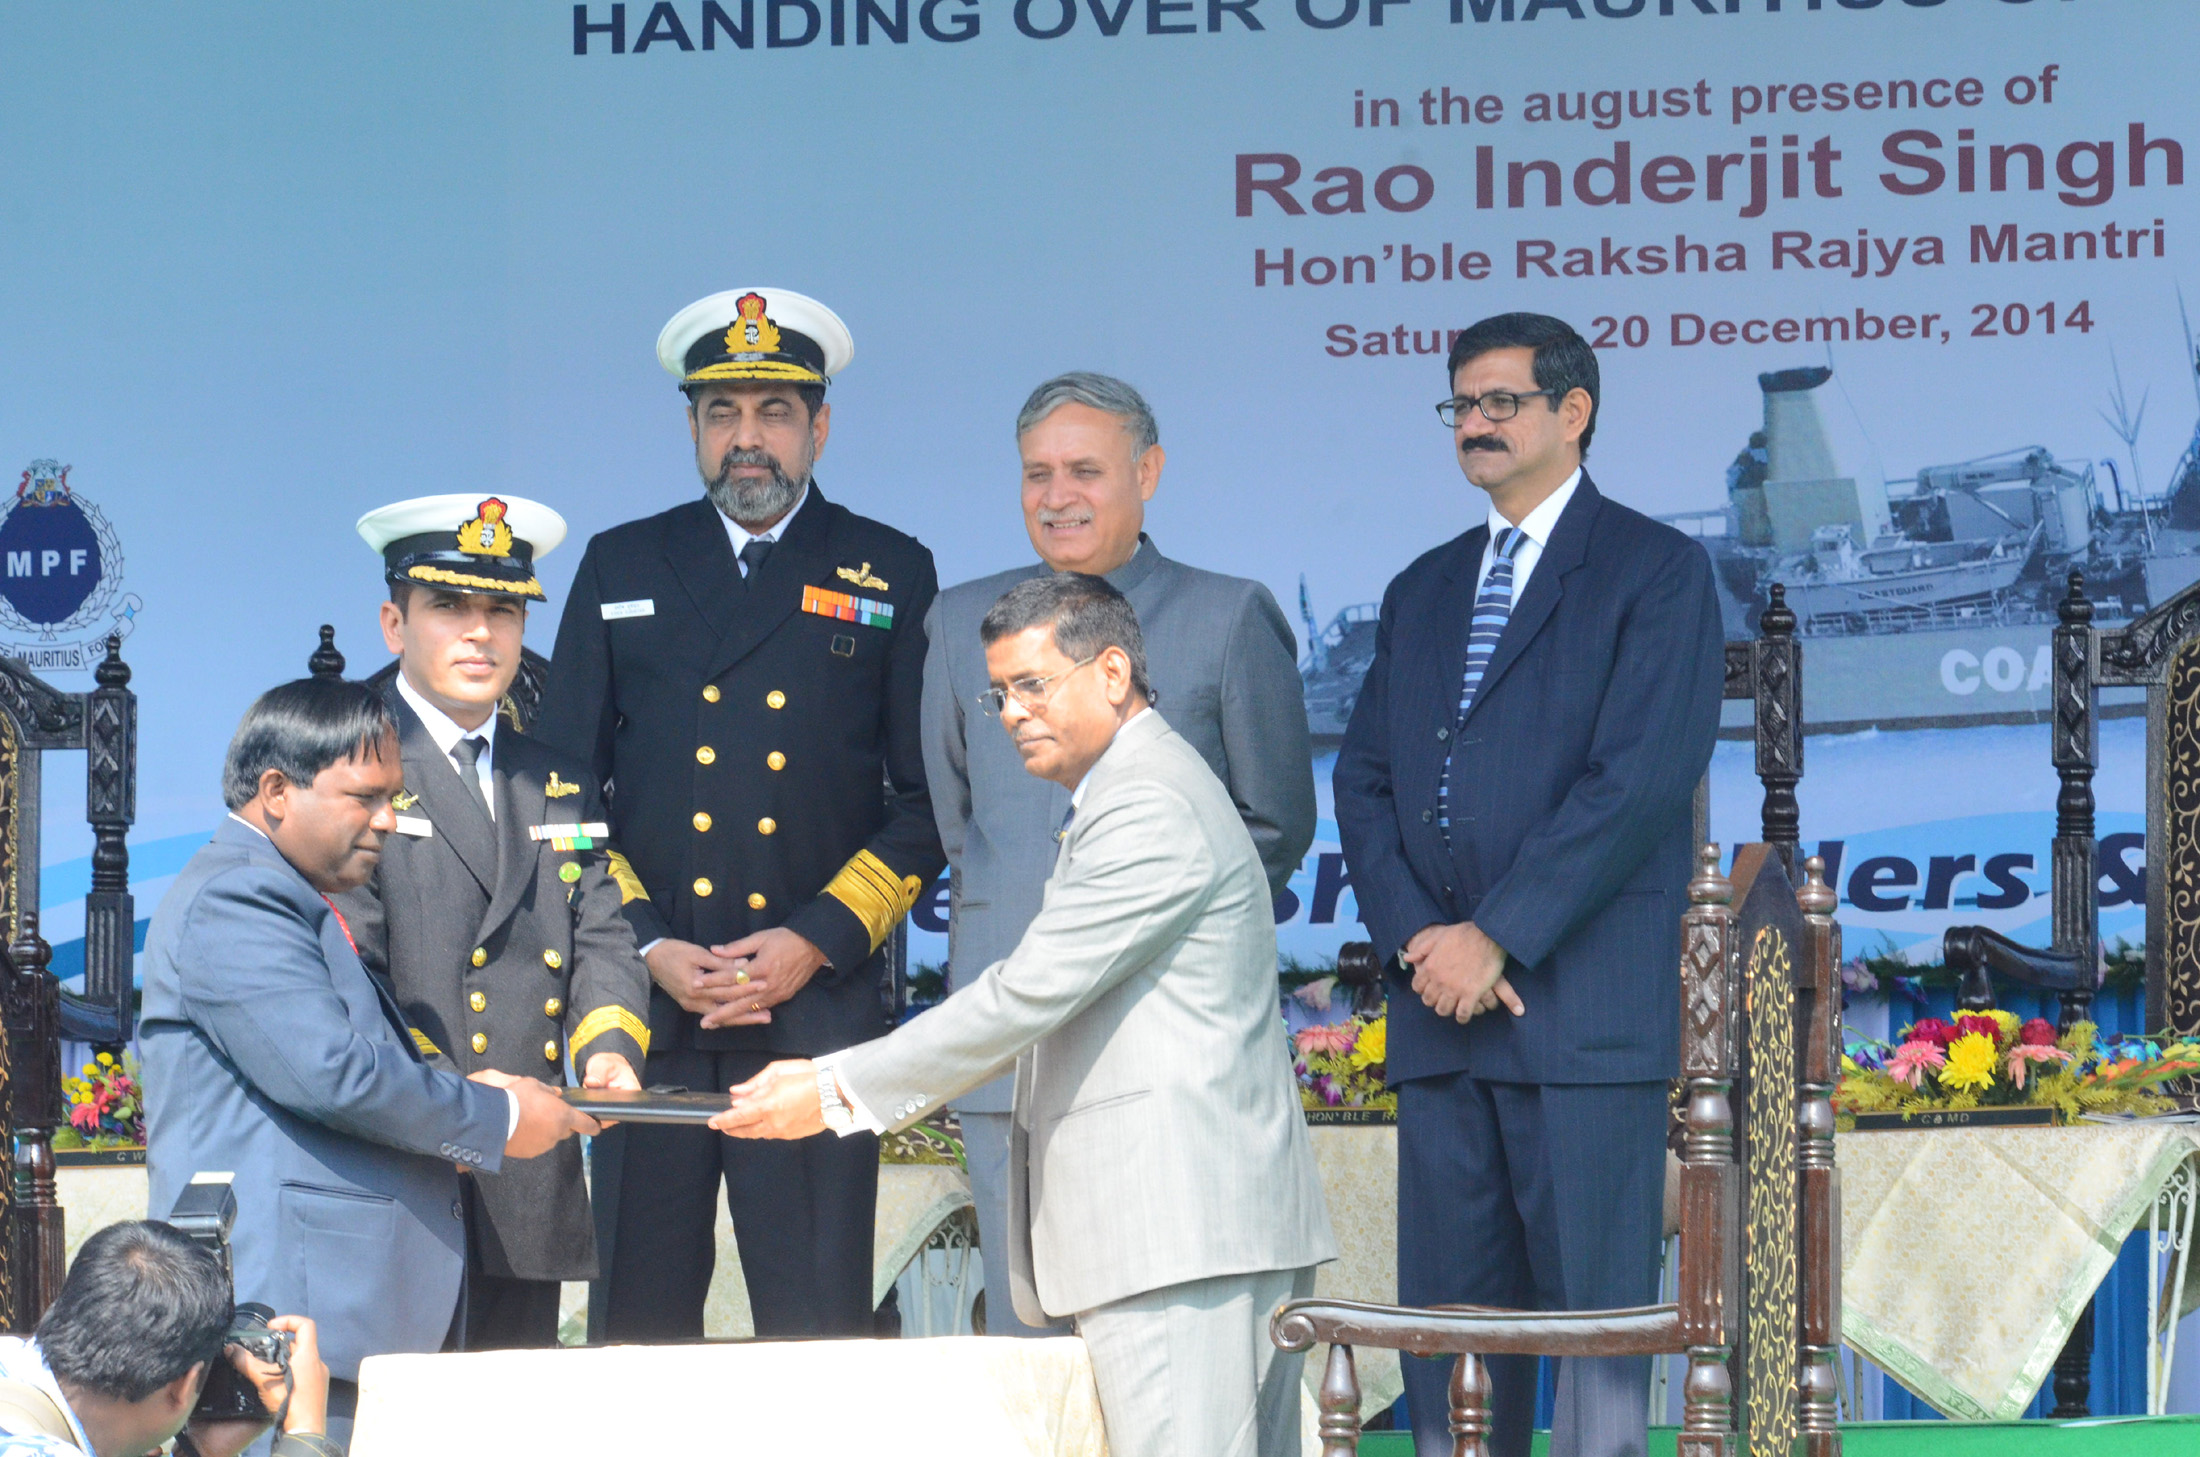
x: 630, y: 884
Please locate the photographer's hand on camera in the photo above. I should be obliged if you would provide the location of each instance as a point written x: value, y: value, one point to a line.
x: 293, y: 1393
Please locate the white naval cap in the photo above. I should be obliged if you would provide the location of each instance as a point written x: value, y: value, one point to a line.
x: 755, y: 333
x: 464, y: 543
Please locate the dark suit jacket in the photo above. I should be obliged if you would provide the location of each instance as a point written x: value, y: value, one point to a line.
x: 1572, y: 783
x: 557, y: 970
x: 684, y: 699
x: 271, y: 1053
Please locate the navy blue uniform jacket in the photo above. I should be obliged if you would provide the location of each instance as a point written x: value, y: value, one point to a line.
x: 763, y: 761
x: 1572, y: 788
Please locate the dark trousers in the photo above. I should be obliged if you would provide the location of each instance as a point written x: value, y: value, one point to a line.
x: 803, y: 1213
x: 497, y: 1312
x: 1533, y: 1197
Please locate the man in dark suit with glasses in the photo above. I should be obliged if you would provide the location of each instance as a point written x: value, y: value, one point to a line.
x: 1515, y: 797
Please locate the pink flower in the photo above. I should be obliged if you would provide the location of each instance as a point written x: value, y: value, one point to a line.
x: 84, y: 1118
x: 2025, y: 1052
x: 1335, y: 1039
x: 1910, y: 1061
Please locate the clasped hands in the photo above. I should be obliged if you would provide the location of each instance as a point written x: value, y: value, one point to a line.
x: 737, y: 984
x: 1459, y: 972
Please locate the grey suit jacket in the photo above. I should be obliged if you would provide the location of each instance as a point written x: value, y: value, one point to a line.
x: 272, y: 1054
x: 1158, y: 1135
x: 1223, y: 662
x: 475, y: 910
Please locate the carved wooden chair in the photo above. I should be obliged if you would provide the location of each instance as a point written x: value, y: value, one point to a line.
x: 1759, y: 1308
x: 36, y: 718
x: 2159, y: 652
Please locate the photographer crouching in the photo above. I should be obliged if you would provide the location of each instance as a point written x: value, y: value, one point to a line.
x: 123, y: 1359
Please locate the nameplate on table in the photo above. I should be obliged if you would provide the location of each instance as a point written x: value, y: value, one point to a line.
x: 1956, y: 1118
x: 1350, y: 1117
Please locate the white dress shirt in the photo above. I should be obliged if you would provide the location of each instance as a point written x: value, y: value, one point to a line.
x: 447, y: 734
x: 741, y: 536
x: 1537, y: 531
x: 511, y: 1125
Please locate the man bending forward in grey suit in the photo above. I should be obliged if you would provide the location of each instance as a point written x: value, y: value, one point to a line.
x: 1225, y: 676
x: 1161, y: 1186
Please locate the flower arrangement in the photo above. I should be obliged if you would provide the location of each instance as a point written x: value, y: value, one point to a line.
x: 1993, y: 1060
x: 106, y: 1106
x: 1340, y: 1065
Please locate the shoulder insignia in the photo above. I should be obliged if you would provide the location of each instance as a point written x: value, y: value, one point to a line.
x: 404, y: 800
x: 862, y: 577
x: 557, y: 788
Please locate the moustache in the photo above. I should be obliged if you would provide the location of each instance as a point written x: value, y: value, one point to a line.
x: 739, y: 456
x: 1482, y: 442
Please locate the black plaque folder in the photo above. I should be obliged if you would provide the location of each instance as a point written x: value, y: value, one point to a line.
x: 650, y: 1105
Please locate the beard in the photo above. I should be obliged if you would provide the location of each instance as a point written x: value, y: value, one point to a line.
x: 754, y: 500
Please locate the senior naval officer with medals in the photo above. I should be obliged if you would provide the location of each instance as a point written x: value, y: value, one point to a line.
x: 495, y: 911
x: 745, y: 670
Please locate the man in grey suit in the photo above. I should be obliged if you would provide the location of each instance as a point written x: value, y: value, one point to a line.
x: 1162, y: 1188
x: 272, y: 1054
x: 1225, y: 676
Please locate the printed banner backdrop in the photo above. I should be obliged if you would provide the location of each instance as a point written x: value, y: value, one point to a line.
x: 268, y: 267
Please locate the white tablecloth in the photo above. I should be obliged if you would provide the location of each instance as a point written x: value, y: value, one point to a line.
x: 1968, y: 1253
x: 955, y: 1397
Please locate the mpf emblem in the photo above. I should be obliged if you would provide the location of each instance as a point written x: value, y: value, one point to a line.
x: 60, y: 574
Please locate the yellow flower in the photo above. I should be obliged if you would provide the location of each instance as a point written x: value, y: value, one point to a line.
x: 2008, y: 1022
x: 1373, y: 1045
x: 89, y: 1070
x: 106, y: 1059
x: 1971, y: 1062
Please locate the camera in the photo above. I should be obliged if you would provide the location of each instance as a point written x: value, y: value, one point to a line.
x: 204, y: 1212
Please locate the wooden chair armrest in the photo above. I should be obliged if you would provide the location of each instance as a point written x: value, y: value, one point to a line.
x: 1969, y: 950
x: 1641, y: 1331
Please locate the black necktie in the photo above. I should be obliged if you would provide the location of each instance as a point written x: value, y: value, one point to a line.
x: 752, y: 555
x: 1063, y: 833
x: 466, y: 754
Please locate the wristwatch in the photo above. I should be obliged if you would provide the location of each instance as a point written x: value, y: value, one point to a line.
x: 838, y: 1116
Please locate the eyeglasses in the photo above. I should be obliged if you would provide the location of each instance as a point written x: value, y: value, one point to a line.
x: 1495, y: 406
x: 1031, y: 693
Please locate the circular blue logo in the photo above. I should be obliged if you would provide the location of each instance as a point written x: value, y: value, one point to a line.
x: 50, y: 560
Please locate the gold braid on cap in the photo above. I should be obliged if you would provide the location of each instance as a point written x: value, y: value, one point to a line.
x: 466, y: 581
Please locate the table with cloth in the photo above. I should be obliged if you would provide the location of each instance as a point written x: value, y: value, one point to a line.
x: 954, y: 1396
x: 914, y: 1200
x: 1966, y: 1254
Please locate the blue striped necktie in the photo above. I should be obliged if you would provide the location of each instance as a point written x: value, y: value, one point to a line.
x: 1492, y: 609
